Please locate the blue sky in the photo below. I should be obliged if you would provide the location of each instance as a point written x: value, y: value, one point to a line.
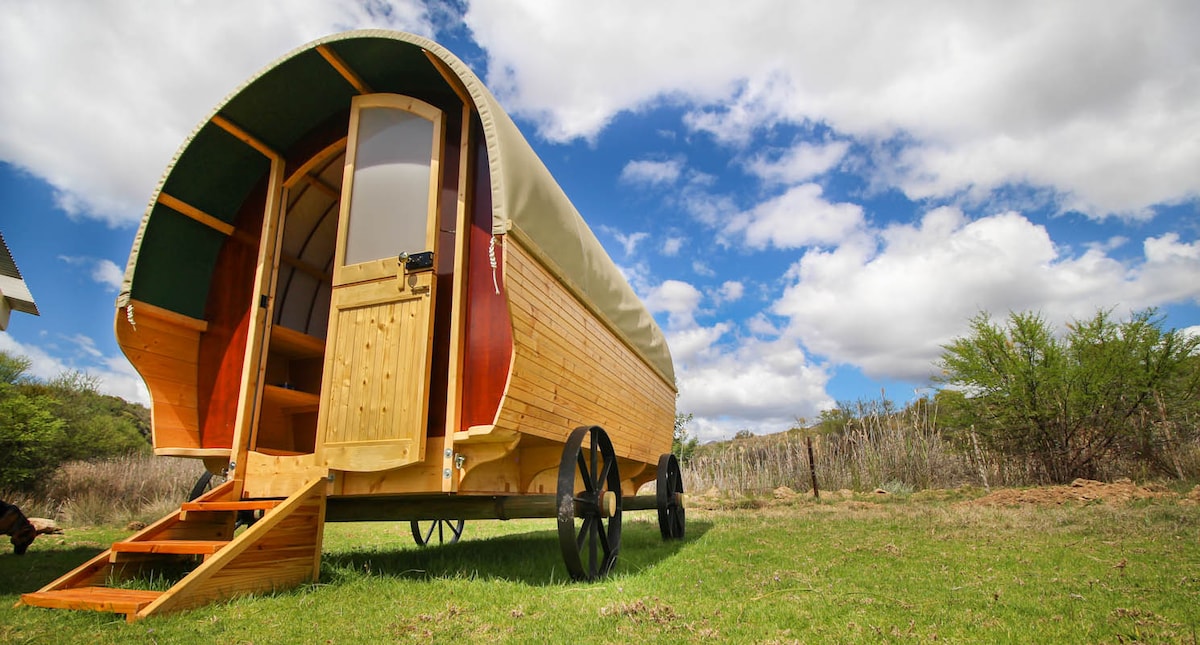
x: 811, y: 197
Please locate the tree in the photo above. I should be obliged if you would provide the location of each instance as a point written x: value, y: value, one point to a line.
x: 29, y: 430
x: 1106, y: 388
x: 682, y: 444
x: 44, y: 424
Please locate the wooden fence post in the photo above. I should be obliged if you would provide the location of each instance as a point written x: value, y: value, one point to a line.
x: 812, y: 467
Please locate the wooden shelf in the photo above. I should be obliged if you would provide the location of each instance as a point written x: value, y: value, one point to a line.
x: 291, y: 400
x: 294, y: 344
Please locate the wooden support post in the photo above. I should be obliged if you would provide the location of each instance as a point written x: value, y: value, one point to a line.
x: 812, y: 467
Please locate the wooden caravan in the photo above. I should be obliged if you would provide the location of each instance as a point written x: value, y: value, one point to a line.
x: 359, y: 293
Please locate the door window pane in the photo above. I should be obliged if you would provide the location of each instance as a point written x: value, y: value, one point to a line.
x: 389, y: 202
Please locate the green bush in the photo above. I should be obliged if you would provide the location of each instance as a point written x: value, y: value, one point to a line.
x: 45, y: 424
x: 1105, y: 390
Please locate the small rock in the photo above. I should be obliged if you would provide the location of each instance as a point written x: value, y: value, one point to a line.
x: 44, y: 526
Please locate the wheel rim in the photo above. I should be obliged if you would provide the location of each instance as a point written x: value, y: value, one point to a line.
x: 589, y: 538
x: 444, y: 531
x: 671, y: 516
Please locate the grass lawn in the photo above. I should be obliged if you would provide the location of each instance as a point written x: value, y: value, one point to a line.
x: 905, y: 569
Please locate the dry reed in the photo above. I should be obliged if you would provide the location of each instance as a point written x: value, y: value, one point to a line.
x: 113, y: 492
x: 878, y: 447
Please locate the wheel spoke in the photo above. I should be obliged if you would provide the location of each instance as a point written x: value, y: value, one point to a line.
x: 592, y: 562
x: 603, y: 534
x: 608, y: 465
x: 584, y: 529
x: 583, y: 470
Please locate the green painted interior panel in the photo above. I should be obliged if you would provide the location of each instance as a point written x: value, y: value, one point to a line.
x: 397, y: 67
x: 176, y: 263
x: 216, y: 172
x: 285, y: 103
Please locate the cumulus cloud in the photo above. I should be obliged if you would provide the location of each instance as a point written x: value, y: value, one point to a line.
x: 677, y: 299
x: 798, y: 164
x: 114, y: 374
x: 628, y: 241
x: 729, y: 291
x: 743, y: 383
x: 887, y: 306
x: 761, y: 385
x: 797, y: 218
x: 90, y: 83
x: 671, y: 246
x: 101, y: 271
x: 652, y: 173
x: 1095, y: 102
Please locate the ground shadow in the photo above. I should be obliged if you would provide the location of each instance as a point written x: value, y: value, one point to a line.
x: 38, y: 567
x: 533, y: 558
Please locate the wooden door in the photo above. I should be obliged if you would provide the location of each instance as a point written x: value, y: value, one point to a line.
x: 374, y: 399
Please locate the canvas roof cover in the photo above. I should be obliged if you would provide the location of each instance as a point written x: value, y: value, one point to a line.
x: 173, y: 256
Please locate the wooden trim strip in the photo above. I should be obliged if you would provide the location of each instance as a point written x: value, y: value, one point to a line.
x: 451, y: 79
x: 166, y: 315
x: 302, y: 173
x: 304, y: 267
x: 246, y: 137
x: 342, y: 68
x: 187, y: 209
x: 323, y: 187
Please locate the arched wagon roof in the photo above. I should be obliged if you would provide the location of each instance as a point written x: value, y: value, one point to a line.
x: 172, y: 261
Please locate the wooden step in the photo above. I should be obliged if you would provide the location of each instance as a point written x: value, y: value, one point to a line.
x: 244, y: 505
x: 117, y: 601
x: 174, y: 547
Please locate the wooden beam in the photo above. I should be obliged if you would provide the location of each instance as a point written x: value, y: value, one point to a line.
x: 302, y: 172
x: 316, y: 182
x: 342, y: 68
x: 451, y: 78
x: 246, y: 137
x: 304, y: 267
x: 200, y: 216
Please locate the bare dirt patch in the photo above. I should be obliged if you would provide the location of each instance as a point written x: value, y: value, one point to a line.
x: 1080, y: 491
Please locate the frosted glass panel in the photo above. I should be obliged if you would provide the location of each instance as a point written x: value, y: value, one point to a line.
x: 389, y: 202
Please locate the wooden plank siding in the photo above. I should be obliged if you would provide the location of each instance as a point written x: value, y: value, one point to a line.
x: 165, y: 351
x: 569, y: 369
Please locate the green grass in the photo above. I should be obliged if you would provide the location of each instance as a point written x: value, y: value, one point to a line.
x: 909, y: 570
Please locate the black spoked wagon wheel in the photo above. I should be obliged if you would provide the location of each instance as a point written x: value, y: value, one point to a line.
x: 203, y: 484
x: 208, y: 481
x: 589, y: 504
x: 444, y: 531
x: 671, y: 517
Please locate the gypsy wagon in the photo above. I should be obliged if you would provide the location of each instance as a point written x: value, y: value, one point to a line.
x: 359, y: 294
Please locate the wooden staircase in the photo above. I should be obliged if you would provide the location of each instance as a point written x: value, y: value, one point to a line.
x: 281, y: 550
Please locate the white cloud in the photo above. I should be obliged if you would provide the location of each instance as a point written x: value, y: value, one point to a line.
x: 678, y: 299
x: 114, y: 374
x: 797, y: 218
x: 1097, y: 102
x: 671, y: 246
x: 729, y: 291
x: 761, y: 385
x: 628, y: 241
x: 888, y: 306
x: 106, y: 272
x: 99, y: 93
x: 102, y: 271
x: 800, y: 163
x: 652, y: 173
